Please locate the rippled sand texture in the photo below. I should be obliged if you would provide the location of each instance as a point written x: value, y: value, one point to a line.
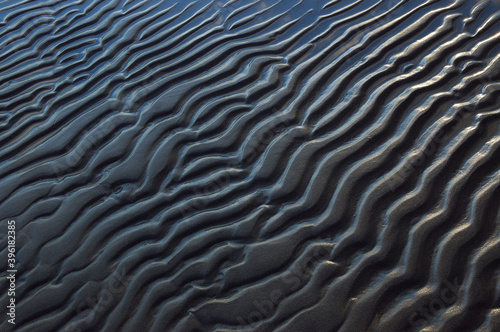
x: 252, y: 165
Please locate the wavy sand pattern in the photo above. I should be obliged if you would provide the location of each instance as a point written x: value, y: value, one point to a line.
x: 260, y: 165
